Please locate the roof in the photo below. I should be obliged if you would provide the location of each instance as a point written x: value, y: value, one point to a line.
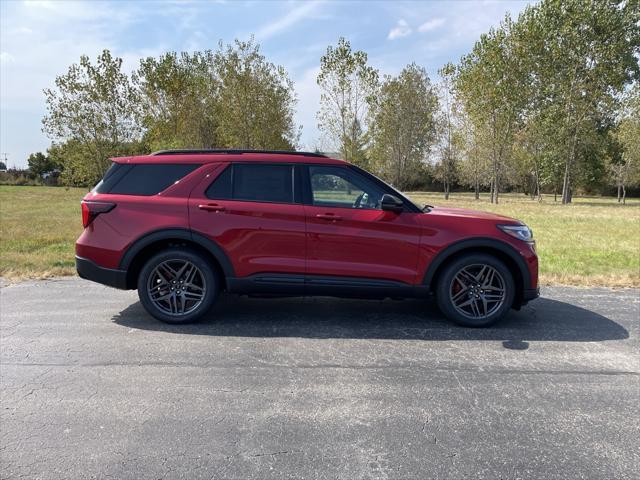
x: 210, y: 156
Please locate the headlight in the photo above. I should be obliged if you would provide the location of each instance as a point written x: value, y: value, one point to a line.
x: 521, y: 232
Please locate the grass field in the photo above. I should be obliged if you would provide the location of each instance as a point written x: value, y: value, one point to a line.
x: 594, y: 241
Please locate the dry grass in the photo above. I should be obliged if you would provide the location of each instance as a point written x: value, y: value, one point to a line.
x: 595, y: 241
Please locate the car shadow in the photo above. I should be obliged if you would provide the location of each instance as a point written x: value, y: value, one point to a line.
x: 323, y: 317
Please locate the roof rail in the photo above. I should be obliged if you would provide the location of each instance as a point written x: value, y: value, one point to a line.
x: 233, y: 152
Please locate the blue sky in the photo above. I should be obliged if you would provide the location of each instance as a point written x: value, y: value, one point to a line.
x: 40, y: 39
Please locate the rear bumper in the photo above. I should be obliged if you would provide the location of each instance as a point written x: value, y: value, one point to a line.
x: 106, y: 276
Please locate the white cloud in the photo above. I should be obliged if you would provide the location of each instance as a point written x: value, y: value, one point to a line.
x: 282, y: 24
x: 402, y: 29
x: 46, y: 4
x: 6, y: 58
x: 431, y: 25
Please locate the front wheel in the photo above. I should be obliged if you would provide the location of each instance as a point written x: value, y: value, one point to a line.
x: 177, y: 285
x: 475, y: 290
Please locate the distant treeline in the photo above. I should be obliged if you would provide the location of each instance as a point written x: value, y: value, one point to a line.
x: 549, y: 102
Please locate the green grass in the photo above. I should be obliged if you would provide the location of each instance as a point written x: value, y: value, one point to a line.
x: 594, y: 241
x: 38, y: 230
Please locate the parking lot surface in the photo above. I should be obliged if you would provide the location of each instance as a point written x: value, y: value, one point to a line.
x: 92, y: 387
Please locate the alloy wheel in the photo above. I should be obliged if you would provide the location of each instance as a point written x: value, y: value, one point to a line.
x: 176, y: 287
x: 477, y: 291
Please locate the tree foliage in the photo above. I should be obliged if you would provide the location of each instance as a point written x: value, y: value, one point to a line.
x: 545, y: 88
x: 230, y: 98
x: 348, y: 85
x: 491, y: 83
x: 450, y: 133
x: 178, y: 100
x: 94, y: 105
x: 403, y: 125
x: 41, y: 164
x: 624, y: 169
x: 257, y: 100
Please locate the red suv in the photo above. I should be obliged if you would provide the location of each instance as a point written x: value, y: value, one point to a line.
x: 181, y: 226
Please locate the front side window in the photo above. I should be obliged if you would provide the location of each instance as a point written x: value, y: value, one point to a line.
x: 339, y: 187
x: 255, y: 183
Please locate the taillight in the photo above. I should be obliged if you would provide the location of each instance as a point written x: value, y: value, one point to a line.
x: 90, y: 210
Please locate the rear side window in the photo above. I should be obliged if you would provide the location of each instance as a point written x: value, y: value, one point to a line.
x: 143, y: 179
x: 256, y: 183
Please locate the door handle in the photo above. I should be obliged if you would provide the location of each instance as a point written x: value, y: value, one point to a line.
x: 328, y: 216
x: 211, y: 207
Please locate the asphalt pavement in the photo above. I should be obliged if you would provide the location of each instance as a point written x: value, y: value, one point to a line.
x: 322, y: 388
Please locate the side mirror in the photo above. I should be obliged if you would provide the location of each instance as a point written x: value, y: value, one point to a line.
x: 391, y: 203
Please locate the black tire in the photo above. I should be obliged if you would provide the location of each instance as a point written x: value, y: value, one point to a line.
x: 452, y: 293
x: 205, y: 283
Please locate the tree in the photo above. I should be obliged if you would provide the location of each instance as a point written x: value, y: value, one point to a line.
x: 3, y: 165
x: 581, y: 53
x: 178, y: 100
x: 449, y: 136
x: 473, y: 167
x: 40, y: 164
x: 348, y: 85
x: 93, y: 107
x: 256, y: 100
x: 491, y: 83
x: 625, y: 170
x: 402, y: 123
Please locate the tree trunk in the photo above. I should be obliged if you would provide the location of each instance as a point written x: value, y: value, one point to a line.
x: 494, y: 190
x: 619, y: 193
x: 477, y: 189
x: 566, y: 184
x: 624, y: 195
x: 446, y: 189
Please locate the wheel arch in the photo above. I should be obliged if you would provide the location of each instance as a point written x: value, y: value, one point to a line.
x: 501, y: 250
x: 143, y: 248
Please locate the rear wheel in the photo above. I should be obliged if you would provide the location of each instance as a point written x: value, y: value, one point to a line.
x: 177, y: 285
x: 475, y: 290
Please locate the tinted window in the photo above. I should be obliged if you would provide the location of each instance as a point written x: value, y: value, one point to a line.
x: 256, y: 183
x: 114, y: 173
x: 266, y: 183
x: 148, y: 179
x: 221, y: 187
x: 340, y: 187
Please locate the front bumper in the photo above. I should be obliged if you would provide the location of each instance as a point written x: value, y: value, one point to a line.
x: 106, y: 276
x: 528, y: 295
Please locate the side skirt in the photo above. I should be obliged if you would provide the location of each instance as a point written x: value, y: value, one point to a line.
x: 274, y: 284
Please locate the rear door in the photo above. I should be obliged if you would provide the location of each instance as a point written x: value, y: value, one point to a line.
x: 349, y: 235
x: 254, y: 213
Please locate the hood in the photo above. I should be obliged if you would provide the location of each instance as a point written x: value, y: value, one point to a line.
x: 464, y: 213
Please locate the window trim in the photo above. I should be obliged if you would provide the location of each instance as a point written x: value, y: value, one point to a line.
x: 409, y: 206
x: 113, y: 178
x: 347, y: 177
x: 356, y: 171
x: 295, y: 183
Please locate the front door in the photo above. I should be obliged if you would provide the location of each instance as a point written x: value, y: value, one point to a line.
x: 349, y: 235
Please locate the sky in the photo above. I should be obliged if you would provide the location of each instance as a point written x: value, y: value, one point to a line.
x: 40, y: 39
